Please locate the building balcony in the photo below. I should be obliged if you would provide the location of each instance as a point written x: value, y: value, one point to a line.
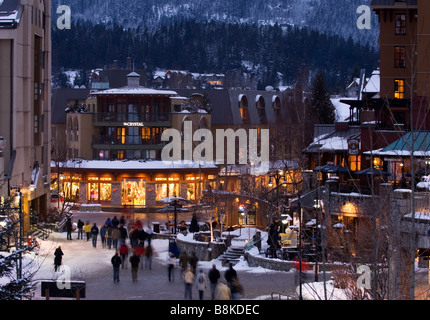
x: 131, y: 119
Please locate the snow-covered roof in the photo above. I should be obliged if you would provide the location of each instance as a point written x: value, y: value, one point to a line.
x: 374, y: 83
x: 342, y: 110
x: 10, y: 13
x: 133, y: 74
x: 139, y: 90
x: 403, y: 146
x: 134, y: 164
x: 333, y: 141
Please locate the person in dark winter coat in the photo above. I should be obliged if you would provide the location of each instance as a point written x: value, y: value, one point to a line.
x: 236, y: 289
x: 183, y: 260
x: 80, y: 228
x: 115, y: 222
x: 124, y: 233
x: 69, y: 229
x: 116, y: 262
x: 213, y: 276
x: 94, y: 234
x: 58, y: 258
x: 193, y: 262
x: 230, y: 274
x: 134, y: 261
x: 103, y: 236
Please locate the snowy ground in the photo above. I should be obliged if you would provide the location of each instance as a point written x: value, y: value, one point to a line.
x: 83, y: 262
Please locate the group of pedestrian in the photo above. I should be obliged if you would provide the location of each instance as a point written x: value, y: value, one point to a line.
x: 113, y: 233
x: 218, y: 290
x: 116, y: 237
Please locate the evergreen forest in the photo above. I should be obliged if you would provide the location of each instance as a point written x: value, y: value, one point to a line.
x: 273, y: 54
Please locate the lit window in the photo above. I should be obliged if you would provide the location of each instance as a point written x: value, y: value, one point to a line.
x: 399, y: 89
x: 354, y: 163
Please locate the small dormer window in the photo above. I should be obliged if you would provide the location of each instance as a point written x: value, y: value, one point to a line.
x: 133, y: 80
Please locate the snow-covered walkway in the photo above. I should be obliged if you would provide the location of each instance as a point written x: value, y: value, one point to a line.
x: 92, y: 265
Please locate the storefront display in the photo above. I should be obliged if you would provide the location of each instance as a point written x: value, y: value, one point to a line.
x: 133, y: 192
x: 164, y: 190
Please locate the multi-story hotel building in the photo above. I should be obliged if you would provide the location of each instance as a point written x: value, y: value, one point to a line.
x: 25, y: 102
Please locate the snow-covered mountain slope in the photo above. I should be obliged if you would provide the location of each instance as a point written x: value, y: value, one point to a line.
x: 327, y: 16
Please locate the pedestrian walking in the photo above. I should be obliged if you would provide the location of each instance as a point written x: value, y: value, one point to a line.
x: 116, y: 262
x: 94, y: 234
x: 193, y: 262
x: 229, y: 274
x: 236, y: 288
x: 123, y: 251
x: 58, y: 258
x: 134, y: 261
x: 140, y: 251
x: 103, y: 235
x: 183, y: 260
x: 116, y: 236
x: 87, y: 229
x: 148, y: 257
x: 109, y: 236
x: 188, y: 277
x: 69, y: 228
x: 124, y: 233
x: 80, y: 228
x: 171, y: 266
x: 133, y: 237
x: 201, y: 283
x: 115, y: 222
x: 149, y: 235
x: 108, y: 222
x: 213, y: 276
x: 222, y: 292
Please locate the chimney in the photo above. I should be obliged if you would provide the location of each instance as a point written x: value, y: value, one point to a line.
x: 133, y: 79
x: 367, y: 116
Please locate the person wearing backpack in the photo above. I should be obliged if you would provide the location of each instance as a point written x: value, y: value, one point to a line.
x: 201, y: 283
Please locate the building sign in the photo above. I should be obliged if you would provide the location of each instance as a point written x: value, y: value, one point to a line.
x: 353, y: 147
x: 133, y: 124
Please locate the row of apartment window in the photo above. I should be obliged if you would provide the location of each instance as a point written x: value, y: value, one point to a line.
x: 114, y: 154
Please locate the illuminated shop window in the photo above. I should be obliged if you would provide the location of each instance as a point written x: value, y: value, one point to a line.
x: 133, y: 192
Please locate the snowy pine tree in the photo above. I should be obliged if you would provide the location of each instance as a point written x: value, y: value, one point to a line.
x: 322, y: 107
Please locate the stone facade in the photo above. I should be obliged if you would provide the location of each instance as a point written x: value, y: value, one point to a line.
x: 116, y: 194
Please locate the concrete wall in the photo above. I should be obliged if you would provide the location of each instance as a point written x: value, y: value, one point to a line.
x: 205, y: 251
